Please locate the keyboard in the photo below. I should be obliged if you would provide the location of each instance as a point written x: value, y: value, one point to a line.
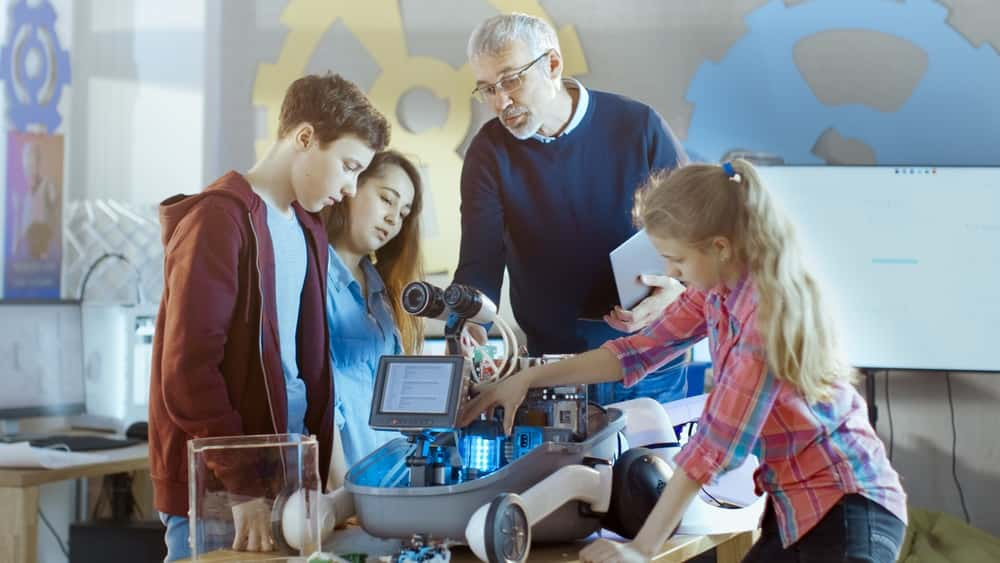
x: 81, y: 443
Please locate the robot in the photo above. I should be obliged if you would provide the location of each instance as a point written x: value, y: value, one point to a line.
x: 564, y: 472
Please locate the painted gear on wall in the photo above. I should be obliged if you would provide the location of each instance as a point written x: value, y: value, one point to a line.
x: 756, y: 99
x: 33, y: 98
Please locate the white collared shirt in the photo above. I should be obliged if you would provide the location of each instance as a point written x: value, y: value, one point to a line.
x: 581, y: 110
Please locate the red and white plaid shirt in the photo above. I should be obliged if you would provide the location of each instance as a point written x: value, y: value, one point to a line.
x: 811, y: 455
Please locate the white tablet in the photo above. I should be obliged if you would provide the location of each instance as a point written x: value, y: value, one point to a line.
x: 632, y: 258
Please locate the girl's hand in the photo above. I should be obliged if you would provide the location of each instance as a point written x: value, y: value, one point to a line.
x: 607, y: 551
x: 507, y: 393
x: 665, y: 291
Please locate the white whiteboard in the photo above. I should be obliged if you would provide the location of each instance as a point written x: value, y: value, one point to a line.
x: 909, y: 259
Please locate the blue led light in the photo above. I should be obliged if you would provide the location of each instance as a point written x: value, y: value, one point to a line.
x: 481, y: 454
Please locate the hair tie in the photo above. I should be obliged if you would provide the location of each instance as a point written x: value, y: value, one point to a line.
x: 734, y: 176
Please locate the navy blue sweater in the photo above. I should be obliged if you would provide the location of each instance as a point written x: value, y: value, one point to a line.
x: 551, y: 213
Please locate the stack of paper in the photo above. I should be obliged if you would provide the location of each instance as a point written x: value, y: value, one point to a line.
x: 22, y: 455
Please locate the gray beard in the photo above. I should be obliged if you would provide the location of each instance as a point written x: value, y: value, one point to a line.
x: 525, y: 132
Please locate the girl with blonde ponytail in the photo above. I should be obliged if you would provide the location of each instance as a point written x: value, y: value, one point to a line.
x: 781, y: 383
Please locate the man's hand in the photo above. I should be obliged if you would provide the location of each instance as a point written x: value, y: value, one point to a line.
x: 507, y: 393
x: 607, y: 551
x: 473, y: 334
x: 665, y: 291
x: 252, y: 520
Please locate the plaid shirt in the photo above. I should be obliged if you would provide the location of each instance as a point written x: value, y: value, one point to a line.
x: 811, y: 455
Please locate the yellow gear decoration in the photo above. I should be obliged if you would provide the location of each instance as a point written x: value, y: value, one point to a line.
x: 378, y: 25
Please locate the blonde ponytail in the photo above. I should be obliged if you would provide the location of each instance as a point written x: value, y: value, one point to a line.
x: 799, y: 334
x: 698, y: 202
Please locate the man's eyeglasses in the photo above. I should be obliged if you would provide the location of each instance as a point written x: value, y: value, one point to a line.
x: 508, y: 84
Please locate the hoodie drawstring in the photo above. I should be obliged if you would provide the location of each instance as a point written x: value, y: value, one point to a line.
x: 250, y: 249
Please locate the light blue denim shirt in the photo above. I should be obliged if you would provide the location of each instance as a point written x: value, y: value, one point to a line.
x: 361, y: 331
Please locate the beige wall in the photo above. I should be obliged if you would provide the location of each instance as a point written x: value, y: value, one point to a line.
x: 922, y: 443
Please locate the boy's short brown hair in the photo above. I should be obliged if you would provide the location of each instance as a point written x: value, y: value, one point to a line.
x: 335, y: 107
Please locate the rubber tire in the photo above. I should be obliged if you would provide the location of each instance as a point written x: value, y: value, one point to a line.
x: 507, y: 533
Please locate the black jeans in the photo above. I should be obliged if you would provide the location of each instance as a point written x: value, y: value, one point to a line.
x: 855, y: 530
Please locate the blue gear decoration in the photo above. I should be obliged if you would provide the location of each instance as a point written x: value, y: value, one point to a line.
x: 755, y: 99
x: 28, y: 108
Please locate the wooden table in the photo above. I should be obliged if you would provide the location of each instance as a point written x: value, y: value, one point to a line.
x: 729, y: 548
x: 19, y: 497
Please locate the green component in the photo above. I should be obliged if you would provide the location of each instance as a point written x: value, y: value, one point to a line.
x: 482, y: 352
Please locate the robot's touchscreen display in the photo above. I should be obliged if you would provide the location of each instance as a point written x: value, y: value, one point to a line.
x: 420, y: 388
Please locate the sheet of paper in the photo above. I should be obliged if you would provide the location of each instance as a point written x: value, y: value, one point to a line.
x: 687, y: 409
x: 704, y: 518
x: 21, y: 455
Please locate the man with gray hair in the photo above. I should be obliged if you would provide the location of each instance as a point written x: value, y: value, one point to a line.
x: 547, y: 192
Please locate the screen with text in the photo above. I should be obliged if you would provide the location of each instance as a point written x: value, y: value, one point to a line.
x: 417, y: 388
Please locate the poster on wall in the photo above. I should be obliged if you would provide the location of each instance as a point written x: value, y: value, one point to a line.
x: 33, y: 216
x: 35, y: 71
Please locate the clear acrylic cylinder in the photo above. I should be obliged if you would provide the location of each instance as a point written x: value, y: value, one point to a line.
x: 266, y: 487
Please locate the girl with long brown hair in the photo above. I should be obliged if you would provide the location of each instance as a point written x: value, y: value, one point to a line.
x: 374, y: 252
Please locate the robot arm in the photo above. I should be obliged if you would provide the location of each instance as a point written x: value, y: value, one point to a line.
x: 501, y: 530
x: 622, y: 496
x: 422, y: 299
x: 457, y: 305
x: 469, y: 303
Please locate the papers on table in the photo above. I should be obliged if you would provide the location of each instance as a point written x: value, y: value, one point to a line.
x: 22, y: 456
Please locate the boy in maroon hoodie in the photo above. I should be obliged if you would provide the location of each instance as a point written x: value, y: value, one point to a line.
x: 241, y: 343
